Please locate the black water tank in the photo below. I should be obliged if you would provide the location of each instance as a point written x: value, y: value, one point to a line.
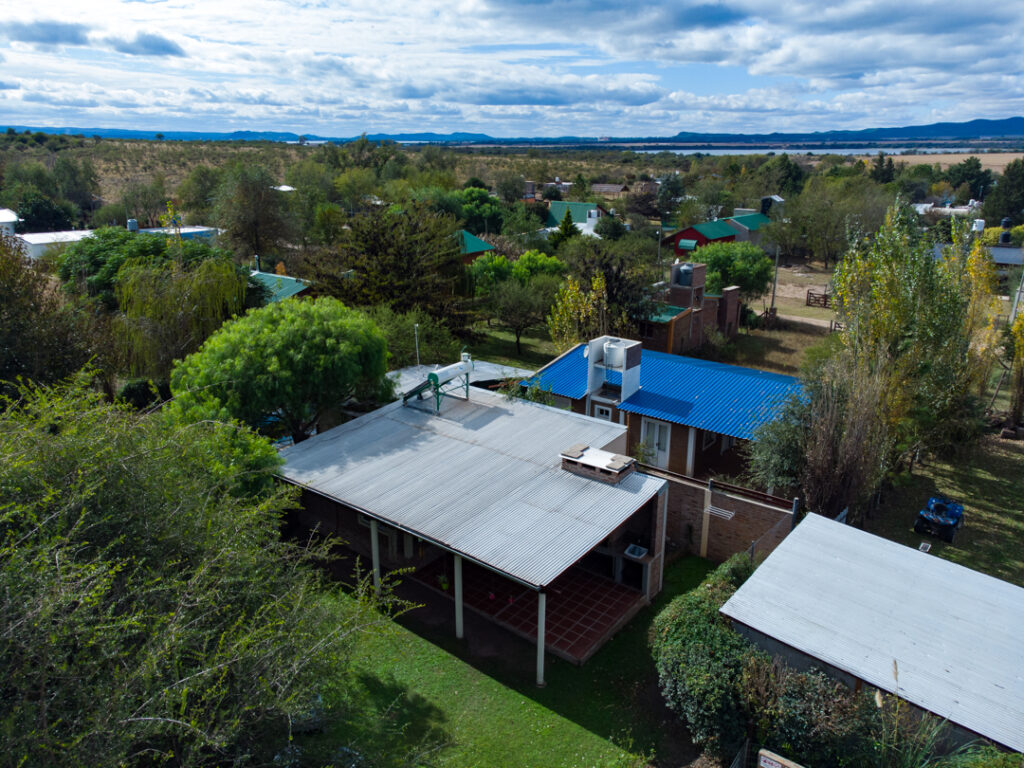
x: 766, y: 205
x: 1006, y: 223
x: 685, y: 274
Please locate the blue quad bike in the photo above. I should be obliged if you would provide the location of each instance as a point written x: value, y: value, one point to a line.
x: 942, y: 518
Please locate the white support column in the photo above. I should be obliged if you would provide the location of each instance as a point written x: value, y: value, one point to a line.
x: 541, y: 613
x: 458, y: 597
x: 691, y: 450
x: 375, y: 553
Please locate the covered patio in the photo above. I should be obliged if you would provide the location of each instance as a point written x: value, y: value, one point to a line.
x: 584, y: 610
x: 503, y: 498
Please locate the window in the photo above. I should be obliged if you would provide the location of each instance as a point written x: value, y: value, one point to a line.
x: 708, y: 441
x: 603, y: 412
x: 727, y: 443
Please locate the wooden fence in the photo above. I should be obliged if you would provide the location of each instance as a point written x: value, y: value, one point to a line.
x: 815, y: 299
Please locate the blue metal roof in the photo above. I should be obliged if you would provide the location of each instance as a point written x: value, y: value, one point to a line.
x: 727, y: 399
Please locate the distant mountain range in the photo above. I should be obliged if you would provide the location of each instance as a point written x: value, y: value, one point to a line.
x: 1009, y: 128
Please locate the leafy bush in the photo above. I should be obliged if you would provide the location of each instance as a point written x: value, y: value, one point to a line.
x: 806, y: 715
x: 700, y: 659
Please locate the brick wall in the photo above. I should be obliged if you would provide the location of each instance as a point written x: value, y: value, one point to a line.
x: 752, y: 521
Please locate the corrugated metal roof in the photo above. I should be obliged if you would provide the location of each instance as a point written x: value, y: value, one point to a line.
x: 470, y: 243
x: 578, y: 211
x: 750, y: 221
x: 280, y: 287
x: 484, y: 479
x: 686, y: 245
x: 859, y: 602
x: 407, y: 378
x: 727, y: 399
x: 715, y: 230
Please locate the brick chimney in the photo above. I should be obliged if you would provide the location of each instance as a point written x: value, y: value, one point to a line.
x: 596, y: 464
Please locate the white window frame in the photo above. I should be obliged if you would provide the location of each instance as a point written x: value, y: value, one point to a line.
x: 607, y: 412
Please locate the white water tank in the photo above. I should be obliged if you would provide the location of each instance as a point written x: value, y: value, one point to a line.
x: 978, y: 226
x: 614, y: 354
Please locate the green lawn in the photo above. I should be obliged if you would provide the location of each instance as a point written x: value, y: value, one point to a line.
x: 496, y: 345
x: 989, y: 481
x: 780, y: 350
x: 606, y: 713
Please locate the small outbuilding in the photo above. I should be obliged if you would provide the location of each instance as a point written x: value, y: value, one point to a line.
x: 872, y: 612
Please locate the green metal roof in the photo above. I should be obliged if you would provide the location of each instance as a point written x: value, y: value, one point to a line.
x: 686, y: 245
x: 470, y: 243
x: 578, y: 211
x: 752, y: 221
x: 279, y: 287
x: 715, y: 230
x: 664, y: 312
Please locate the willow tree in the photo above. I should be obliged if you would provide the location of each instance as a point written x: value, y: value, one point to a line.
x: 578, y: 314
x: 169, y: 309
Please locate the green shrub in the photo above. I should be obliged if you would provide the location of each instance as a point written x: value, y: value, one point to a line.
x: 700, y: 659
x: 806, y: 716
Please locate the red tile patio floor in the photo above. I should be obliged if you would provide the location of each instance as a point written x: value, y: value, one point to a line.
x: 583, y: 610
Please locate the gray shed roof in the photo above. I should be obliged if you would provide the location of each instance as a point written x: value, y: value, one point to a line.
x: 483, y: 479
x: 858, y: 602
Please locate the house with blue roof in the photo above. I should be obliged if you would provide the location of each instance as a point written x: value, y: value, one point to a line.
x: 691, y: 414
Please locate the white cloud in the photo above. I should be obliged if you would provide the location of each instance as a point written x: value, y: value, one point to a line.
x: 584, y: 67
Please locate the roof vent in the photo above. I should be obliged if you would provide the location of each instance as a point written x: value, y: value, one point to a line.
x: 597, y: 464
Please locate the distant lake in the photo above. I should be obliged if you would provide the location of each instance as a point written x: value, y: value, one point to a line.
x: 756, y: 150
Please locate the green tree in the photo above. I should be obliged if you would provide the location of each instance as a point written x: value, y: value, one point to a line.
x: 626, y: 271
x: 437, y: 345
x: 38, y: 213
x: 610, y: 227
x: 902, y: 377
x: 251, y: 212
x: 970, y: 172
x: 152, y: 613
x: 91, y: 266
x: 1007, y: 199
x: 287, y: 361
x: 736, y: 263
x: 146, y: 201
x: 481, y: 212
x: 41, y: 338
x: 578, y: 314
x: 509, y: 187
x: 170, y: 308
x: 406, y: 257
x: 77, y: 182
x: 198, y: 192
x: 519, y: 307
x: 566, y: 231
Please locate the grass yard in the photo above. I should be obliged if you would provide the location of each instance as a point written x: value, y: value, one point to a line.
x: 497, y: 345
x: 780, y: 350
x: 606, y: 713
x: 989, y: 481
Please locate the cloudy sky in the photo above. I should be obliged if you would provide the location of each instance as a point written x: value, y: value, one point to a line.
x: 508, y: 67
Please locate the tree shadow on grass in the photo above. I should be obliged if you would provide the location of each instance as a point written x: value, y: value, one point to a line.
x: 382, y: 722
x: 614, y: 695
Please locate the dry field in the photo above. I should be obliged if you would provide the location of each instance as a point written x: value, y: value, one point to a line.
x: 993, y: 161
